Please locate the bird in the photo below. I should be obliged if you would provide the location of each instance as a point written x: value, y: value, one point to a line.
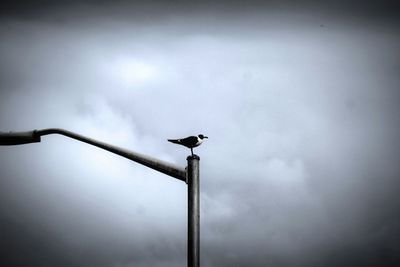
x: 190, y: 142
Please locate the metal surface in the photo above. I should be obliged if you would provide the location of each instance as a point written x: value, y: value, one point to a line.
x: 190, y: 175
x: 155, y: 164
x: 18, y: 138
x: 193, y: 181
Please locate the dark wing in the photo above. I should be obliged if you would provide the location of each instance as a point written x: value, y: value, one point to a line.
x: 190, y: 141
x: 175, y: 141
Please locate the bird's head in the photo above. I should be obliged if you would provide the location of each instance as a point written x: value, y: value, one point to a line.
x: 202, y: 136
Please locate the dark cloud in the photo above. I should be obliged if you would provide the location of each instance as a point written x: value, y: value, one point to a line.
x: 300, y: 101
x: 61, y: 10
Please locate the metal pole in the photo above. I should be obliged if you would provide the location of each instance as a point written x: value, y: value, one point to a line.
x: 156, y: 164
x: 193, y: 182
x: 190, y: 175
x: 19, y: 138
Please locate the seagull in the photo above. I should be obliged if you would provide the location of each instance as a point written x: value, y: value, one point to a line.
x: 190, y: 142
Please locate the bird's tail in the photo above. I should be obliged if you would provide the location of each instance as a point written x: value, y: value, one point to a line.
x: 175, y: 141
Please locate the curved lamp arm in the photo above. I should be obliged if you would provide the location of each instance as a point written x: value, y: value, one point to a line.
x: 19, y: 138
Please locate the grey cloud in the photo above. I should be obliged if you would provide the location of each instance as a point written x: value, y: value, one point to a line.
x: 300, y: 168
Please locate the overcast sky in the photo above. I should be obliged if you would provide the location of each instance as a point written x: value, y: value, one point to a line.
x: 300, y: 101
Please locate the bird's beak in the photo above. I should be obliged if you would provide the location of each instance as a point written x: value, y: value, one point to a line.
x: 206, y: 137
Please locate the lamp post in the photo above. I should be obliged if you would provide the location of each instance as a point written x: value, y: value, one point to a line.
x: 190, y: 175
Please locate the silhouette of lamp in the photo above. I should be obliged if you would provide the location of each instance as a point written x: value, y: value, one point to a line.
x: 190, y: 175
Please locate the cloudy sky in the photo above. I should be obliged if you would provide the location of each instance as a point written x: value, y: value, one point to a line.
x: 300, y: 101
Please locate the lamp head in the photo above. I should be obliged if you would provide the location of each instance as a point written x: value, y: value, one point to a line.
x: 18, y: 138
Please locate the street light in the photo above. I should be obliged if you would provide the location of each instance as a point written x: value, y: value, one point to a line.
x: 190, y: 175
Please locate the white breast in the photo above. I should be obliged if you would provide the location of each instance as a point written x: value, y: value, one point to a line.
x: 199, y: 141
